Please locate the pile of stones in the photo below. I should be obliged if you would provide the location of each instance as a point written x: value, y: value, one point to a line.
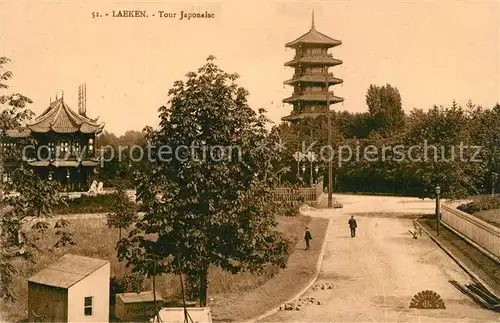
x: 322, y: 286
x: 301, y: 302
x: 298, y: 304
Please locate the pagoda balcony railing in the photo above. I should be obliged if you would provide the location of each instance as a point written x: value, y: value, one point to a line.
x: 297, y: 75
x: 65, y: 156
x: 299, y: 56
x: 300, y: 93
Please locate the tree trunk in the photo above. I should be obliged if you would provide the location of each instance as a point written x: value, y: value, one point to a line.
x: 119, y: 233
x: 203, y: 287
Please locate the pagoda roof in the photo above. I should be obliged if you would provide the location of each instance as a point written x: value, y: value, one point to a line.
x: 314, y: 60
x: 317, y: 78
x: 314, y: 37
x: 59, y: 117
x: 313, y: 97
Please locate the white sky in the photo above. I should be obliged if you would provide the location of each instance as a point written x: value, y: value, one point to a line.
x: 433, y: 51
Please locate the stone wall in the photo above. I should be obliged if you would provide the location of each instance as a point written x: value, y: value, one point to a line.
x: 480, y: 232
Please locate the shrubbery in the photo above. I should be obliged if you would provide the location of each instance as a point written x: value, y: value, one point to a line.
x: 87, y: 204
x: 482, y: 204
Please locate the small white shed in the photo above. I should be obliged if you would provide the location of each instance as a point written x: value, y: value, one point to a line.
x: 74, y: 289
x: 136, y: 306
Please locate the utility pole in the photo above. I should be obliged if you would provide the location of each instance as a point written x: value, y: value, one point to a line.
x: 330, y: 149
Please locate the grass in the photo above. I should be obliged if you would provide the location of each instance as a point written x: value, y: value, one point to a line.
x: 89, y: 231
x: 232, y: 306
x: 490, y: 216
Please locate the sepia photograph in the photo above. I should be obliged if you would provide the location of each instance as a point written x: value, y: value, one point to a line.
x: 250, y: 161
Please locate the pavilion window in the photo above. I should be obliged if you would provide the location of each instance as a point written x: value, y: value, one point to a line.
x: 52, y: 149
x: 91, y: 145
x: 76, y: 147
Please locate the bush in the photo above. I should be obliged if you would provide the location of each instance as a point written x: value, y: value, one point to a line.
x: 482, y: 204
x: 87, y: 204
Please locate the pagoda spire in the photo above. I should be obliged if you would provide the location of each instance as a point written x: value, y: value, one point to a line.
x: 312, y: 20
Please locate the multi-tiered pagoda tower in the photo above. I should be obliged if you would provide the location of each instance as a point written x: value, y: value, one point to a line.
x: 311, y: 80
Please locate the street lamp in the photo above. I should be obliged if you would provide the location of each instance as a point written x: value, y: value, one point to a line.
x: 298, y: 157
x: 438, y: 207
x: 50, y: 175
x: 316, y: 169
x: 312, y: 158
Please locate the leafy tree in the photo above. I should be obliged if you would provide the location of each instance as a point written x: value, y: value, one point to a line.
x: 384, y: 105
x: 28, y: 211
x: 212, y: 211
x: 123, y: 211
x: 30, y: 208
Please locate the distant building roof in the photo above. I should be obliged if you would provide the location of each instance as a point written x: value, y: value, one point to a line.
x: 67, y: 271
x: 58, y: 117
x: 138, y: 297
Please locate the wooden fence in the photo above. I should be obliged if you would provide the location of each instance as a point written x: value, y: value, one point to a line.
x: 480, y: 232
x: 309, y: 195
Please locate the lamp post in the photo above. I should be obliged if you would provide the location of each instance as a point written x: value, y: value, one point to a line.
x: 303, y: 172
x: 438, y: 209
x: 50, y: 175
x: 316, y: 169
x: 312, y: 158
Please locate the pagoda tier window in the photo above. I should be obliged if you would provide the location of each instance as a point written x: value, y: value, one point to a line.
x: 316, y: 70
x: 316, y: 89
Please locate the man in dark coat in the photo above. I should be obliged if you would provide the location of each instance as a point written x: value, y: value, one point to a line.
x: 307, y: 238
x: 352, y: 225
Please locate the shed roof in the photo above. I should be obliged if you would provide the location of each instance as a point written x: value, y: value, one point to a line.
x: 67, y: 271
x: 138, y: 297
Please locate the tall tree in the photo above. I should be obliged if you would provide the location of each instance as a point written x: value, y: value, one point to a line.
x: 28, y: 209
x: 210, y: 203
x: 384, y: 105
x: 123, y: 211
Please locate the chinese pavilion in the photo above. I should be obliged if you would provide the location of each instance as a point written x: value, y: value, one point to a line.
x: 311, y: 80
x: 64, y: 144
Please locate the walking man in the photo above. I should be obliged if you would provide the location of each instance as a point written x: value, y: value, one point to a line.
x: 352, y: 225
x: 307, y: 238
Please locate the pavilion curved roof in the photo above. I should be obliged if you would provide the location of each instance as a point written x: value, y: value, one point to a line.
x: 59, y: 117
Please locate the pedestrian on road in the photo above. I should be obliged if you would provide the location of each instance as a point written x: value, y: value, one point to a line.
x: 307, y: 238
x: 352, y: 225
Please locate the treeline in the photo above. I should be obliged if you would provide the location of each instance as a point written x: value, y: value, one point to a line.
x: 386, y: 151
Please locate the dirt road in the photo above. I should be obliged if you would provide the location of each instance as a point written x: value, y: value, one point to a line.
x: 375, y: 275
